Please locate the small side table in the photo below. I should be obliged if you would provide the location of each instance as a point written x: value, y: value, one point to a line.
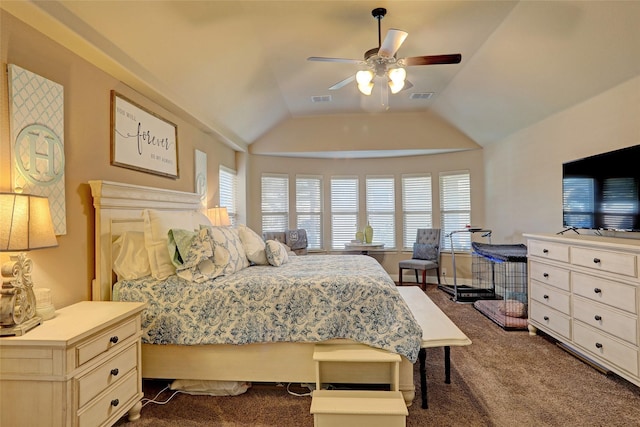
x: 364, y: 248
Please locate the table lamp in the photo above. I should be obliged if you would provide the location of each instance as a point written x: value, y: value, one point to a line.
x: 219, y: 216
x: 25, y: 224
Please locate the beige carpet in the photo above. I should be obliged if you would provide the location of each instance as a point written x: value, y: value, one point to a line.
x: 505, y: 378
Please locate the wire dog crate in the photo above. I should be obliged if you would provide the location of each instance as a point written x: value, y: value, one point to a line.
x: 501, y: 270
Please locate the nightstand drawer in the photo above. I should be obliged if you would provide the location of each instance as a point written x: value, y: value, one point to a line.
x: 551, y: 297
x: 613, y: 262
x: 111, y: 402
x: 601, y: 317
x: 549, y: 250
x: 597, y: 343
x: 608, y: 292
x: 106, y: 341
x: 99, y: 379
x: 551, y: 319
x: 550, y: 275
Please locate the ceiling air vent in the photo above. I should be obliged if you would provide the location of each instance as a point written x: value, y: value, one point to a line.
x: 421, y: 95
x: 321, y: 98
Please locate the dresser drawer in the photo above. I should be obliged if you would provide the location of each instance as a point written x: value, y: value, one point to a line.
x: 111, y: 402
x: 100, y: 378
x: 549, y: 250
x: 612, y: 262
x: 605, y: 319
x: 615, y: 294
x: 551, y: 319
x: 551, y: 297
x: 105, y: 341
x: 595, y: 342
x: 549, y: 275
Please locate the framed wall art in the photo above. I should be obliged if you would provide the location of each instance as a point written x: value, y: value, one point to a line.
x: 142, y: 140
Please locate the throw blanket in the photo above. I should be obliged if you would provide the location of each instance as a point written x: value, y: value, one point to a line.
x: 309, y: 299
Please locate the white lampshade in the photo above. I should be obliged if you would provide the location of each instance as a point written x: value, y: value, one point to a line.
x: 397, y: 77
x: 219, y: 216
x: 25, y: 223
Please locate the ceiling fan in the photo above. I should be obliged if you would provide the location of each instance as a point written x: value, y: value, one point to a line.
x: 381, y: 64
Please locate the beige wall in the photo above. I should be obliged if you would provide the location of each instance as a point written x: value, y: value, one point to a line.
x: 467, y: 160
x: 524, y: 172
x: 68, y: 269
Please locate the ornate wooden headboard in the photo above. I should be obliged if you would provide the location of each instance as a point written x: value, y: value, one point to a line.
x: 118, y: 208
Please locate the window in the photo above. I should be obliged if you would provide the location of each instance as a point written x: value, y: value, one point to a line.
x: 381, y: 210
x: 344, y: 211
x: 416, y: 207
x: 309, y: 208
x: 455, y: 209
x: 275, y: 202
x: 228, y: 185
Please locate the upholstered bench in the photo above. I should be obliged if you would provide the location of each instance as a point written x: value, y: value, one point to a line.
x: 437, y: 331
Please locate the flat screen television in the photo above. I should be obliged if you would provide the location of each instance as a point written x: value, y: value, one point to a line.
x: 601, y: 192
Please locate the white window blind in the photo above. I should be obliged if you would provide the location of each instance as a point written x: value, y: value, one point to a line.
x: 344, y: 211
x: 455, y: 209
x: 228, y: 185
x: 578, y: 204
x: 275, y: 202
x: 381, y: 210
x: 416, y: 207
x: 309, y: 208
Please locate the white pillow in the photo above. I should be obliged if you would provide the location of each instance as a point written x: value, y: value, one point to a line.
x: 253, y: 245
x: 156, y: 228
x: 228, y: 252
x: 276, y: 253
x: 130, y: 258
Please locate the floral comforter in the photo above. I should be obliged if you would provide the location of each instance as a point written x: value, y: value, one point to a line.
x: 311, y: 298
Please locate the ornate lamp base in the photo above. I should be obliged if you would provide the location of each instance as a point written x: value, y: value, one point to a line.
x: 22, y: 328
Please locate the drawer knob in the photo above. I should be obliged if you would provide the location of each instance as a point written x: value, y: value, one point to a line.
x: 115, y: 402
x: 545, y: 275
x: 545, y: 251
x: 596, y: 260
x: 114, y: 339
x: 545, y: 296
x: 546, y: 318
x: 598, y: 317
x: 115, y: 372
x: 597, y: 290
x: 598, y: 345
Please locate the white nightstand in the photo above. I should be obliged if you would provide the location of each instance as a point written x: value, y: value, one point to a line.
x: 81, y: 368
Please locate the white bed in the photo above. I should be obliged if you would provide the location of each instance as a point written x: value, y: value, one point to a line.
x: 118, y: 208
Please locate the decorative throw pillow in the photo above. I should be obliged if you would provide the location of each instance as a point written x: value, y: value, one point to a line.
x: 425, y: 251
x: 198, y: 264
x: 156, y: 229
x: 253, y: 245
x: 276, y: 253
x: 130, y: 258
x: 179, y: 244
x: 228, y: 251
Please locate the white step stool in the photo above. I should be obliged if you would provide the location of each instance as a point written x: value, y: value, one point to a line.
x: 348, y: 408
x: 358, y: 408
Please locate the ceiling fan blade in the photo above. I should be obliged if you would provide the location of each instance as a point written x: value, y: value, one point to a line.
x: 343, y: 83
x: 407, y: 85
x: 433, y: 59
x: 392, y: 42
x: 323, y: 59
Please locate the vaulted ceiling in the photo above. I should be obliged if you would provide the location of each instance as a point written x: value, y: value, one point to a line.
x: 240, y: 69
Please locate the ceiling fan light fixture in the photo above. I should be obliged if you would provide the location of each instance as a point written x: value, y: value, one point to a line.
x: 396, y: 79
x: 365, y: 85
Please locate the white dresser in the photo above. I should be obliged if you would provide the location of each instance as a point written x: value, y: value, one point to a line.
x: 81, y: 368
x: 585, y: 292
